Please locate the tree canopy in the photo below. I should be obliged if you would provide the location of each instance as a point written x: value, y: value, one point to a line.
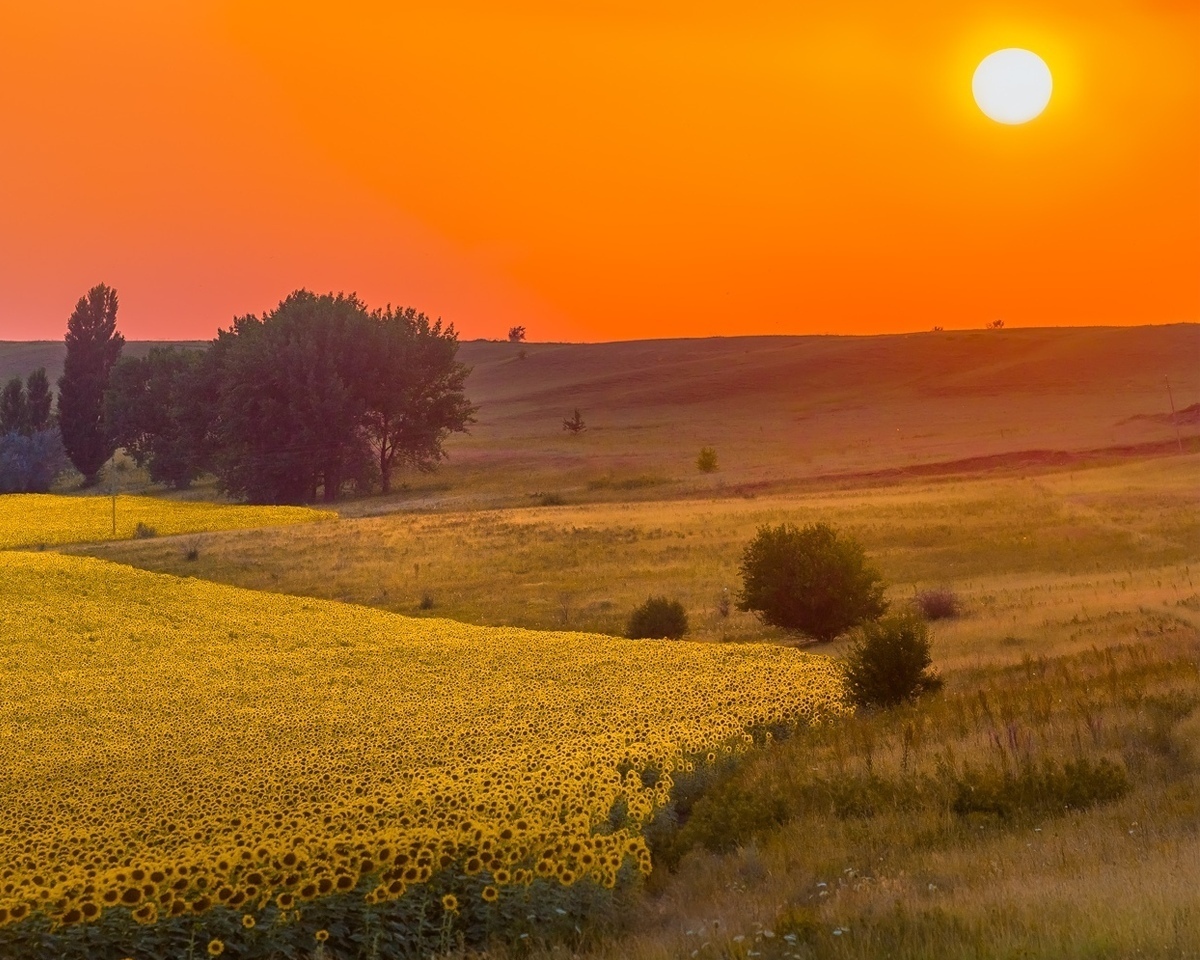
x: 293, y: 405
x: 154, y: 410
x: 812, y: 580
x: 93, y: 347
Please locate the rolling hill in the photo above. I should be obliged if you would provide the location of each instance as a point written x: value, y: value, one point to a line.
x: 780, y: 408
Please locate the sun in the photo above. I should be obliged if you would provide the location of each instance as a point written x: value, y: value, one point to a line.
x: 1012, y: 85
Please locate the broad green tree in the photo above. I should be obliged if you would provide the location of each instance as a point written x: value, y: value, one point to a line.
x: 413, y: 391
x: 290, y: 410
x: 153, y: 409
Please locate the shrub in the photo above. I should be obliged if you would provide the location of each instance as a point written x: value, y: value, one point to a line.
x: 30, y: 463
x: 1050, y: 789
x: 938, y: 604
x: 551, y: 500
x: 575, y: 424
x: 656, y: 619
x: 811, y: 580
x: 707, y: 461
x: 143, y: 532
x: 426, y: 601
x: 889, y: 662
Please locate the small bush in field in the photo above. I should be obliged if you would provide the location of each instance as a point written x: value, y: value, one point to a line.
x: 707, y: 461
x: 938, y: 604
x: 426, y: 601
x: 889, y: 662
x: 144, y: 532
x: 657, y: 619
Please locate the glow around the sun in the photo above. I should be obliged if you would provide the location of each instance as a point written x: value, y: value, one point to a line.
x: 1012, y: 85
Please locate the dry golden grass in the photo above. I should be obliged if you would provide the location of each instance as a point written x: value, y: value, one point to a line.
x: 1073, y: 541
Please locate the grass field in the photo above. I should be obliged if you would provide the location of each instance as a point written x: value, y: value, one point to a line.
x: 1080, y: 643
x: 1046, y: 804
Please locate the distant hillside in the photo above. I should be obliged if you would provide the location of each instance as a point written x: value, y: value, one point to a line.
x: 778, y: 407
x: 19, y: 358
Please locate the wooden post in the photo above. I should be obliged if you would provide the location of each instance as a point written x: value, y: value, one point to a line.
x: 1174, y: 418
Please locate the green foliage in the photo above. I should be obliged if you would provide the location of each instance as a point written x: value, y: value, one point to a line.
x: 25, y: 407
x: 93, y: 348
x: 811, y: 580
x: 707, y: 461
x: 31, y: 462
x: 889, y: 662
x: 38, y: 401
x: 319, y: 392
x: 1043, y: 789
x: 414, y: 394
x: 658, y: 618
x: 153, y: 408
x: 12, y: 407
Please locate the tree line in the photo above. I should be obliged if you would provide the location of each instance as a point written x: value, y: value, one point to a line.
x: 289, y: 407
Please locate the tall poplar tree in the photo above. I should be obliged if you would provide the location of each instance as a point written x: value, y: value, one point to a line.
x: 93, y: 347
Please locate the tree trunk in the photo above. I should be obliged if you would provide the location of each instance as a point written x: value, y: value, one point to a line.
x: 333, y: 480
x: 385, y: 470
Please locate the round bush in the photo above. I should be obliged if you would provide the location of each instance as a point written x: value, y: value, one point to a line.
x: 812, y: 580
x: 938, y: 604
x: 888, y: 663
x: 657, y: 619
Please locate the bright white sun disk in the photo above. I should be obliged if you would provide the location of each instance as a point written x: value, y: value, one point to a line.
x: 1012, y: 85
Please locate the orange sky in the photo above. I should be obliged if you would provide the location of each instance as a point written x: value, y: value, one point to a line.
x: 598, y: 170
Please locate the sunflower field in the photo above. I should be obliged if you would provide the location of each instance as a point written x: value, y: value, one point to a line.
x: 189, y: 767
x: 47, y: 519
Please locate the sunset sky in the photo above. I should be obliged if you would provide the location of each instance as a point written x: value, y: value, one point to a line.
x: 598, y: 170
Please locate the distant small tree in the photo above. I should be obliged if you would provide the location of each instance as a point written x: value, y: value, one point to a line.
x: 889, y: 662
x: 13, y: 415
x: 516, y: 334
x: 38, y: 400
x: 575, y: 424
x: 996, y: 325
x: 658, y: 619
x: 93, y: 347
x: 811, y: 580
x: 937, y: 329
x: 707, y: 461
